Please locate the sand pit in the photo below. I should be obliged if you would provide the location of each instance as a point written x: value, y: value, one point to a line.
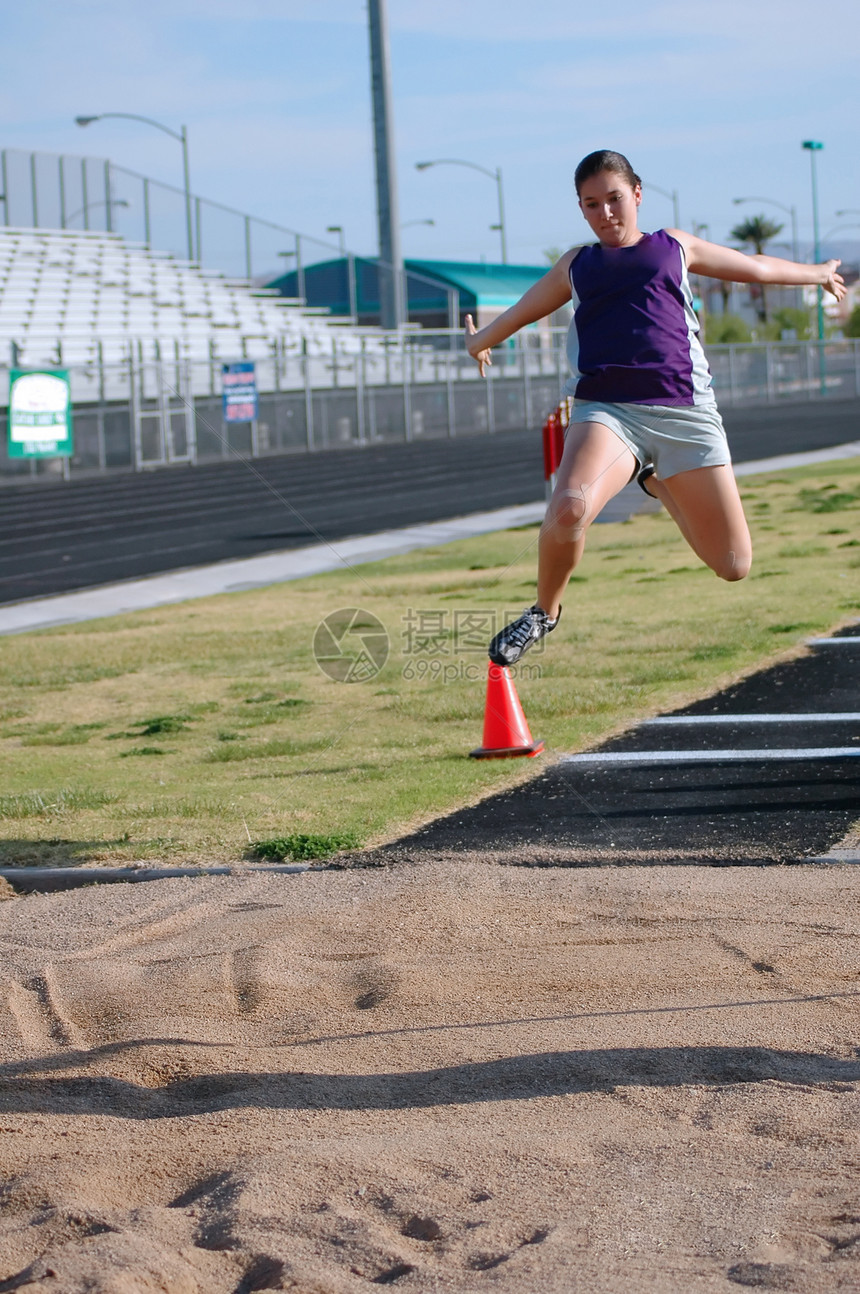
x: 434, y: 1078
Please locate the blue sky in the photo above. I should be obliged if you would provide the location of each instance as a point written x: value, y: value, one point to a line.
x: 711, y: 99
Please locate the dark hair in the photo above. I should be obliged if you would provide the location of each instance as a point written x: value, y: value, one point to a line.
x: 604, y: 160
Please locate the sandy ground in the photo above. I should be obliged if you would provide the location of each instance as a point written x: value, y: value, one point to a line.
x: 453, y: 1078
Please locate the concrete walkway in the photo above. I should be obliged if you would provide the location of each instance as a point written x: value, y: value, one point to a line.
x: 296, y: 563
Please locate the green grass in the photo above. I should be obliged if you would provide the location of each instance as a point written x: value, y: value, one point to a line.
x: 192, y: 731
x: 829, y: 498
x: 65, y: 800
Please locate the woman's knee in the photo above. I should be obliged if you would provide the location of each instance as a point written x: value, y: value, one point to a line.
x: 569, y: 514
x: 734, y: 565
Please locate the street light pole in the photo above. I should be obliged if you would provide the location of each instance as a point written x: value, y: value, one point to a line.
x: 186, y: 179
x: 338, y: 229
x: 792, y: 211
x: 494, y: 175
x: 182, y: 136
x: 813, y: 146
x: 837, y: 229
x: 673, y: 198
x: 795, y: 245
x: 390, y: 268
x: 351, y: 285
x: 502, y: 215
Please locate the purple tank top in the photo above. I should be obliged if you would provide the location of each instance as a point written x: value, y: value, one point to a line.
x: 634, y: 334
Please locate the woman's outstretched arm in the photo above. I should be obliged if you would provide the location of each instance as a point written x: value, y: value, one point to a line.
x: 718, y: 262
x: 547, y: 295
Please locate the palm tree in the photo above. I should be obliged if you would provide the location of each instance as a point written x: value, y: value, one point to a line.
x: 757, y: 231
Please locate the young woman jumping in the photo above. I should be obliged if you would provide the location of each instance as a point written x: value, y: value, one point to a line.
x: 643, y: 403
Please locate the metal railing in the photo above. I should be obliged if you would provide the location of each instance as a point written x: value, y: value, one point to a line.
x: 148, y: 413
x: 65, y: 191
x: 53, y: 191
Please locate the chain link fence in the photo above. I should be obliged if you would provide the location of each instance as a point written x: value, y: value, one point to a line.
x: 146, y: 413
x: 66, y: 191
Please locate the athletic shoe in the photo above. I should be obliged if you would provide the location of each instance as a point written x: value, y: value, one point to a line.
x: 515, y: 639
x: 642, y: 476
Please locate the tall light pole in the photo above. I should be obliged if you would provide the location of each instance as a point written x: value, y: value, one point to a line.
x: 182, y: 136
x: 795, y: 246
x: 351, y: 284
x: 673, y: 198
x: 837, y: 229
x: 391, y: 294
x: 792, y: 211
x: 494, y: 175
x: 338, y: 229
x: 813, y: 146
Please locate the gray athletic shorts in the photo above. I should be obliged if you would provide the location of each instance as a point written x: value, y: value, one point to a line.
x: 673, y: 439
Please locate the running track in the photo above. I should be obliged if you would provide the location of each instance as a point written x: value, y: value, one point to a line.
x: 57, y: 537
x: 766, y: 772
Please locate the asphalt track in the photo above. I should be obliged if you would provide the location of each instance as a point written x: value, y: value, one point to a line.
x: 766, y: 772
x: 57, y: 537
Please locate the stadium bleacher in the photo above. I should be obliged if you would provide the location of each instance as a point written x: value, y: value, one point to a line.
x: 76, y: 298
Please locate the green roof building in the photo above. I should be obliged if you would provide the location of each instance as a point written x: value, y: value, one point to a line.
x: 440, y: 293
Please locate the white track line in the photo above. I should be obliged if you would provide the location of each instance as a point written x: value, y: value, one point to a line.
x: 844, y: 716
x: 711, y: 756
x: 837, y: 642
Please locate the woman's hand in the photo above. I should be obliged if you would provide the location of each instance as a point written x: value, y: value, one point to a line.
x: 833, y: 282
x: 482, y: 356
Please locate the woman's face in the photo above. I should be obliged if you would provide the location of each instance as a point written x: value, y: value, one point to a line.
x: 611, y: 208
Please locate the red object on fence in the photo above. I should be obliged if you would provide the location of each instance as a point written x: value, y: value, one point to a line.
x: 553, y: 445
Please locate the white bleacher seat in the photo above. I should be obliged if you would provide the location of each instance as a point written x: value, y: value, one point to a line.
x: 78, y: 289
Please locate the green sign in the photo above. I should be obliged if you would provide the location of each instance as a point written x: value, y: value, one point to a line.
x: 40, y: 414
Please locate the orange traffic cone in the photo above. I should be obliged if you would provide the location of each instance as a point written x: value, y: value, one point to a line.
x: 506, y: 732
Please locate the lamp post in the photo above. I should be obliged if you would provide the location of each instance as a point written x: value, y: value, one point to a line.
x: 351, y: 284
x: 837, y: 229
x: 393, y: 293
x: 114, y: 202
x: 182, y: 136
x: 673, y: 198
x: 813, y: 146
x: 494, y: 175
x: 701, y: 229
x: 300, y: 273
x: 795, y: 247
x: 792, y: 211
x: 338, y: 229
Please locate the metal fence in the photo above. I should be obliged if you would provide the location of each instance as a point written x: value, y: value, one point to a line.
x: 148, y: 413
x: 64, y: 191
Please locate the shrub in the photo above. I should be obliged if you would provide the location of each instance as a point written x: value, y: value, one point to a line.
x: 302, y: 847
x: 720, y: 329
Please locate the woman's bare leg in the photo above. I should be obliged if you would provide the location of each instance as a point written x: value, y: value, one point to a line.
x: 708, y: 511
x: 596, y: 464
x: 657, y: 490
